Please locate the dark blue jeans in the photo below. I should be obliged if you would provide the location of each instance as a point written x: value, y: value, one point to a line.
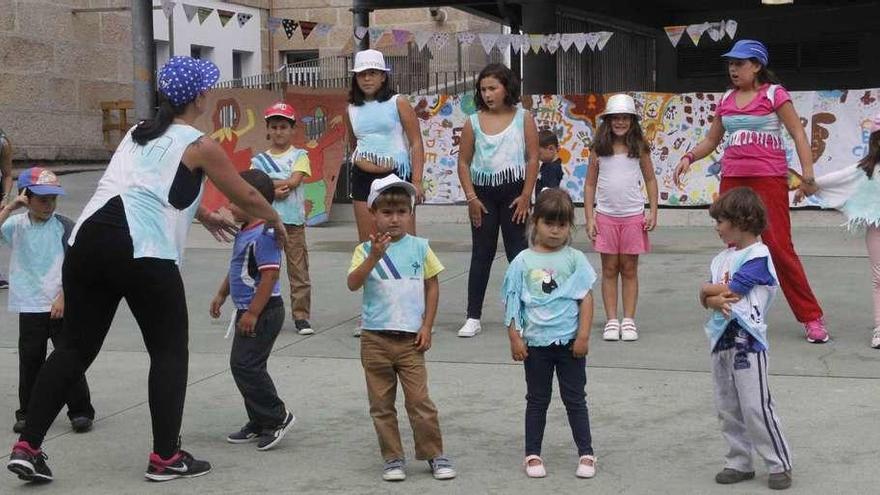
x: 572, y: 376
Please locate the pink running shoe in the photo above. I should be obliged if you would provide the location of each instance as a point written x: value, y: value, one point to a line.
x: 815, y: 331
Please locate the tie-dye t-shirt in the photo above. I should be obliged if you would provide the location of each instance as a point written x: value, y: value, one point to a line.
x: 541, y: 294
x: 754, y: 146
x: 499, y: 158
x: 291, y: 209
x: 394, y: 292
x: 35, y: 264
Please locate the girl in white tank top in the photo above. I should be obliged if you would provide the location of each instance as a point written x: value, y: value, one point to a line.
x: 620, y: 166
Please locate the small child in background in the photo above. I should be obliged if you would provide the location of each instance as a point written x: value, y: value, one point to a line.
x: 550, y: 171
x: 741, y: 290
x: 620, y: 163
x: 548, y: 310
x: 855, y: 191
x: 252, y: 281
x: 38, y: 239
x: 288, y: 166
x: 398, y: 273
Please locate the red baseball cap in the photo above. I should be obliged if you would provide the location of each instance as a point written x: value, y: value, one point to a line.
x: 280, y: 109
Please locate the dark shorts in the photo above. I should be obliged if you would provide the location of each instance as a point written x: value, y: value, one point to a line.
x: 361, y: 181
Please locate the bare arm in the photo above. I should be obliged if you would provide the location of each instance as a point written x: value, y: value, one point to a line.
x: 581, y: 345
x: 378, y: 245
x: 792, y: 123
x: 6, y: 170
x: 465, y: 155
x: 264, y: 291
x: 650, y: 186
x: 531, y: 137
x: 702, y: 149
x: 432, y: 296
x: 413, y: 132
x: 590, y: 195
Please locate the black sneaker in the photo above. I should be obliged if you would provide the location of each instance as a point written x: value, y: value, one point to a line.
x: 728, y: 476
x: 181, y: 465
x: 28, y: 464
x: 81, y: 424
x: 248, y: 433
x: 303, y: 327
x: 271, y: 439
x: 18, y: 427
x: 4, y: 284
x: 779, y: 481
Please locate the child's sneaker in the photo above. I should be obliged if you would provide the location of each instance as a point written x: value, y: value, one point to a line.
x: 470, y: 328
x: 29, y: 464
x: 612, y: 330
x: 303, y: 327
x: 247, y: 434
x: 81, y: 424
x: 393, y: 470
x: 586, y: 466
x: 815, y: 331
x: 19, y: 425
x: 358, y: 329
x: 4, y: 284
x: 271, y: 439
x: 180, y: 465
x: 728, y: 476
x: 535, y: 470
x: 441, y: 468
x: 628, y: 330
x: 875, y: 339
x: 779, y: 481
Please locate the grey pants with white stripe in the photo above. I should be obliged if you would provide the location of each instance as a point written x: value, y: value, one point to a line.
x: 747, y: 412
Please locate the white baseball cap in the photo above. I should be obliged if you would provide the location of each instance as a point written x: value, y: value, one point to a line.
x: 392, y: 180
x: 369, y: 59
x: 620, y: 103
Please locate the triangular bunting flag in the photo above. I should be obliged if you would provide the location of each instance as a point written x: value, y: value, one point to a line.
x: 604, y: 36
x: 466, y: 38
x: 536, y: 41
x: 730, y: 28
x: 695, y: 32
x: 488, y: 41
x: 360, y: 32
x: 422, y: 38
x: 243, y: 18
x: 190, y: 11
x: 524, y: 43
x: 204, y: 12
x: 323, y: 29
x: 273, y: 23
x: 306, y: 27
x: 716, y: 30
x: 439, y: 39
x: 566, y: 40
x: 289, y: 27
x: 168, y: 8
x: 580, y: 41
x: 592, y: 40
x: 516, y: 42
x: 551, y: 43
x: 674, y: 33
x: 225, y: 15
x: 401, y: 36
x: 376, y: 33
x: 503, y: 42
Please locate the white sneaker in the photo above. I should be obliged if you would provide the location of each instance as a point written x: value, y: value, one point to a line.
x: 586, y: 466
x: 612, y: 330
x: 470, y: 328
x: 875, y: 340
x: 628, y: 330
x: 357, y: 329
x: 394, y: 470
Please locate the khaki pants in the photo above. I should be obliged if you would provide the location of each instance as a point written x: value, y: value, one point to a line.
x: 387, y: 357
x: 298, y: 272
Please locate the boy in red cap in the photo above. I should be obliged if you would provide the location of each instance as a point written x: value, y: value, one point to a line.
x: 287, y: 166
x: 38, y: 239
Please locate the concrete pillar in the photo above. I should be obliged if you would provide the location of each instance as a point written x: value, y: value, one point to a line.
x: 539, y: 71
x: 144, y: 58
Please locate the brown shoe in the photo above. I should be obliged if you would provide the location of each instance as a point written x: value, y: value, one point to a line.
x: 729, y: 476
x: 779, y: 481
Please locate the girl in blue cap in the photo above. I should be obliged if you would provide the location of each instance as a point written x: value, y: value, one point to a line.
x: 752, y: 114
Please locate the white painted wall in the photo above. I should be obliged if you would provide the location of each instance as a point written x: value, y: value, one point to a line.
x: 222, y: 40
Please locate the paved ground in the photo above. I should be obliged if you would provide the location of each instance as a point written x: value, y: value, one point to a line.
x: 651, y: 407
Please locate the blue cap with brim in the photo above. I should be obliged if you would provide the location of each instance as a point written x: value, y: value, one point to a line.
x: 745, y: 49
x: 40, y: 181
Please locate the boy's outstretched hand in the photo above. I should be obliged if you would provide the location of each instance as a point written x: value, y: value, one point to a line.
x: 378, y: 245
x: 423, y: 339
x: 216, y: 304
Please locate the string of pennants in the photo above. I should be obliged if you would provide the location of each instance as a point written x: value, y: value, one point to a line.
x: 716, y: 31
x: 518, y: 42
x: 203, y: 13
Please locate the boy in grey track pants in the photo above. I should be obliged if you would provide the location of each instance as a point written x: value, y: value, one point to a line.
x: 741, y: 290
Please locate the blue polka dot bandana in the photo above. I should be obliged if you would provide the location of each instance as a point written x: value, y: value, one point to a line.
x: 181, y: 79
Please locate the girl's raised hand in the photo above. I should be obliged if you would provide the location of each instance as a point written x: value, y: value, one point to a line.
x: 521, y: 208
x: 683, y: 167
x: 476, y: 210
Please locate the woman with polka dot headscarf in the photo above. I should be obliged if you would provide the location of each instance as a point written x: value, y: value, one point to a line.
x: 128, y: 244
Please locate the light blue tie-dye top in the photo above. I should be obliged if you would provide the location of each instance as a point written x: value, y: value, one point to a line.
x: 35, y: 264
x: 291, y: 209
x: 499, y: 158
x: 541, y: 294
x: 380, y: 135
x: 394, y: 292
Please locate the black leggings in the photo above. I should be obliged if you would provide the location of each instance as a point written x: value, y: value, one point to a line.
x: 497, y: 200
x: 98, y: 272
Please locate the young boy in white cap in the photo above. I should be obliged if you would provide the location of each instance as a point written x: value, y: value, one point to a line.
x: 398, y: 272
x: 288, y: 166
x: 38, y: 239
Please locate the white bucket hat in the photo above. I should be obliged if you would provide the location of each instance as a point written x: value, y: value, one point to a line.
x: 369, y: 59
x: 621, y: 103
x: 378, y: 186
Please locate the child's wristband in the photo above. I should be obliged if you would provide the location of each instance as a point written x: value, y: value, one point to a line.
x: 471, y: 198
x: 690, y: 157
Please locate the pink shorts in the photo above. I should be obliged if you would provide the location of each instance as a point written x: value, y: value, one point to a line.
x: 621, y: 235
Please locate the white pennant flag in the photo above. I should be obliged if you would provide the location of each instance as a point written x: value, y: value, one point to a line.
x: 536, y: 41
x: 503, y: 42
x: 592, y: 40
x: 580, y: 41
x: 439, y: 39
x: 466, y: 38
x: 488, y: 41
x: 524, y: 43
x: 695, y: 32
x: 323, y: 29
x: 168, y: 8
x: 604, y: 36
x: 566, y: 40
x: 421, y: 38
x: 515, y: 43
x: 674, y: 33
x: 716, y: 30
x: 551, y: 42
x: 730, y: 28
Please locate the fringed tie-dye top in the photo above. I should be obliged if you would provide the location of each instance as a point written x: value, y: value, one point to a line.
x: 499, y: 158
x: 380, y: 136
x: 754, y: 146
x: 854, y: 194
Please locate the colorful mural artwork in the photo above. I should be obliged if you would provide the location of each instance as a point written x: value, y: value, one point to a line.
x: 236, y: 123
